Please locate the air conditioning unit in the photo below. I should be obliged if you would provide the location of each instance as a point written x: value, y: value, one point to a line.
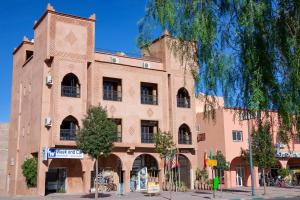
x: 146, y: 65
x: 49, y: 80
x: 48, y: 122
x: 114, y: 59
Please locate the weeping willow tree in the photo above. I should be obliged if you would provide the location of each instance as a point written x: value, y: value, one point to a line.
x: 248, y: 51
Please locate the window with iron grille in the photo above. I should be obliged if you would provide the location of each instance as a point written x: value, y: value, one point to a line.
x: 148, y: 129
x: 237, y: 136
x: 112, y: 89
x: 118, y: 122
x: 184, y: 135
x: 183, y: 98
x: 70, y: 86
x: 69, y: 128
x: 149, y: 93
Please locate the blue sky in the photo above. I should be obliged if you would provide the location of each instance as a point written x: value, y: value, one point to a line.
x: 116, y: 29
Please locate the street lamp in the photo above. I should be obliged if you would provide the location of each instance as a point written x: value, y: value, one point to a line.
x: 247, y: 117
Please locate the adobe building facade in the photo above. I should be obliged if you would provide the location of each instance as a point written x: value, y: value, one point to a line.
x: 228, y: 133
x: 3, y: 156
x: 58, y: 75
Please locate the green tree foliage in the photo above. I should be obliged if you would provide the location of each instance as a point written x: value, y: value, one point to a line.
x: 97, y: 136
x: 263, y: 149
x: 284, y: 172
x: 249, y: 49
x: 222, y: 164
x: 29, y: 171
x: 164, y: 144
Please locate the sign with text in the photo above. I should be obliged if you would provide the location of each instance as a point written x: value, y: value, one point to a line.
x: 287, y: 154
x: 212, y: 163
x: 65, y: 153
x: 153, y: 187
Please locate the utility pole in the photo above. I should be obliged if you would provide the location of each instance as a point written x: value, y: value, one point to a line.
x: 248, y: 117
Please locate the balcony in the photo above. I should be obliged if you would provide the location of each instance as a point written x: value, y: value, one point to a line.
x: 68, y: 134
x: 183, y: 102
x: 185, y: 141
x: 149, y: 99
x: 147, y: 138
x: 112, y: 95
x: 70, y: 91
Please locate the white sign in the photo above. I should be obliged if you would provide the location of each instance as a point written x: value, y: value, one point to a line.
x: 65, y: 153
x: 287, y: 154
x: 44, y: 153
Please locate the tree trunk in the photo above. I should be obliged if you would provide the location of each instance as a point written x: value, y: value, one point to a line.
x: 264, y: 181
x: 97, y: 183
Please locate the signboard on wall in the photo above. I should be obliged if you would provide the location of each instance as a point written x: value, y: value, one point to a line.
x: 287, y: 154
x: 44, y: 153
x: 153, y: 187
x: 65, y: 153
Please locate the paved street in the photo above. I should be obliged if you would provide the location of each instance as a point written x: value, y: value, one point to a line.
x: 240, y: 193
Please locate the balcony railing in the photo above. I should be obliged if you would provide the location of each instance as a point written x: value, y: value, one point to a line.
x: 112, y: 95
x: 70, y: 91
x: 118, y: 138
x: 183, y: 102
x: 185, y: 141
x: 68, y: 134
x: 147, y: 138
x: 149, y: 99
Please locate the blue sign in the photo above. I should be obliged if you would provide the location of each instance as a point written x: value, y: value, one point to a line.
x: 65, y: 153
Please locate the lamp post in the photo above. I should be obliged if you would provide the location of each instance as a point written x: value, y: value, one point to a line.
x: 247, y: 117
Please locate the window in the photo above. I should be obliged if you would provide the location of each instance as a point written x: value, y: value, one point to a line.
x: 237, y: 136
x: 68, y: 128
x: 183, y: 98
x: 149, y: 93
x: 118, y: 122
x: 184, y: 135
x: 70, y: 86
x: 148, y: 129
x: 112, y: 89
x: 29, y: 54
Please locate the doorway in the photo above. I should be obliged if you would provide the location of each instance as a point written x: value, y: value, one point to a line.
x: 240, y: 171
x: 56, y: 180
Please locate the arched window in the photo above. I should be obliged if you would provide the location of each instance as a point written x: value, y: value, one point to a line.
x: 183, y: 98
x: 184, y: 135
x: 70, y: 86
x: 68, y: 128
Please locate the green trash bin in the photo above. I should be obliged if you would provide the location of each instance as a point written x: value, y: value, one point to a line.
x: 216, y: 183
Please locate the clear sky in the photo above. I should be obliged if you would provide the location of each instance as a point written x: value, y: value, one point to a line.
x: 116, y: 29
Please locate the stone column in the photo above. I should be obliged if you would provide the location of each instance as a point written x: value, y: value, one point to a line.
x: 256, y: 177
x: 227, y: 179
x: 127, y: 180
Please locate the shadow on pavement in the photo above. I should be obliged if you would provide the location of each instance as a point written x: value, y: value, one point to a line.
x: 234, y: 190
x: 92, y: 195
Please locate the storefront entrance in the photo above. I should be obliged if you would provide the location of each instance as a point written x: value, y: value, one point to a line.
x: 184, y: 170
x: 56, y: 180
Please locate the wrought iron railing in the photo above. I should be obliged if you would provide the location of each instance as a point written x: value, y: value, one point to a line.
x: 70, y: 91
x: 68, y: 134
x: 147, y: 138
x: 149, y: 99
x: 185, y: 141
x: 118, y: 138
x: 112, y: 95
x: 183, y: 102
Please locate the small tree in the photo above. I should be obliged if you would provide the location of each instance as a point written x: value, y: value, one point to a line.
x: 29, y: 171
x: 263, y: 149
x: 97, y: 136
x: 165, y: 146
x: 222, y: 164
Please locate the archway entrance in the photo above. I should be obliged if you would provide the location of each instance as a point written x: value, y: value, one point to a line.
x: 241, y: 171
x: 64, y: 175
x: 294, y: 165
x: 184, y: 170
x: 144, y: 169
x: 110, y: 173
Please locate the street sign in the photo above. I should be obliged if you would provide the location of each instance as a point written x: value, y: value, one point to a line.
x: 212, y: 163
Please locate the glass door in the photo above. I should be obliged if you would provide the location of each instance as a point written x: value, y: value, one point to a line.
x: 239, y: 176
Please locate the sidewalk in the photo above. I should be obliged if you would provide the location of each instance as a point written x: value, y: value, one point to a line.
x: 241, y: 193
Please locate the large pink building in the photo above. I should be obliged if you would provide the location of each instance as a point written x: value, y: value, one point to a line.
x: 59, y: 74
